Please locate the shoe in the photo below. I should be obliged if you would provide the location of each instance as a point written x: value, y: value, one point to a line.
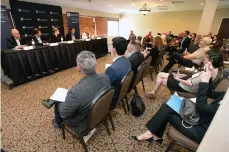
x: 55, y: 124
x: 150, y: 95
x: 135, y: 138
x: 48, y: 103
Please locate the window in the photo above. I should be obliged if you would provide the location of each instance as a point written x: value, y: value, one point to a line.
x: 112, y: 27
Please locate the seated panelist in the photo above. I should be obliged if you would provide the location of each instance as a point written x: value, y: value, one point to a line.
x: 86, y: 33
x: 56, y: 37
x: 37, y: 37
x: 71, y: 36
x: 74, y: 111
x: 16, y: 41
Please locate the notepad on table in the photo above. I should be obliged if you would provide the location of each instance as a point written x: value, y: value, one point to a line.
x: 59, y: 95
x: 107, y: 65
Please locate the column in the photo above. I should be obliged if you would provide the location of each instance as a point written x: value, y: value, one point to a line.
x: 207, y: 16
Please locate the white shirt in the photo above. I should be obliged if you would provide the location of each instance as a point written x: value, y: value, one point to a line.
x: 39, y: 39
x: 73, y: 37
x: 18, y: 42
x: 117, y: 58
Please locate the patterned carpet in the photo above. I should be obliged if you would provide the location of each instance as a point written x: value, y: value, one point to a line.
x: 26, y: 124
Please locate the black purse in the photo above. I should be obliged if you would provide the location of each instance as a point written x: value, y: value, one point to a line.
x: 137, y: 106
x: 188, y: 113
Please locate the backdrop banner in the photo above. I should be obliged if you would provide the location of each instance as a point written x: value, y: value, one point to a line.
x: 5, y: 27
x: 27, y: 16
x: 73, y: 22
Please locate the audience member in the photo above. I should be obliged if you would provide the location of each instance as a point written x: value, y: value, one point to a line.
x: 184, y: 42
x: 74, y: 111
x: 17, y: 41
x: 56, y: 37
x: 217, y: 42
x: 132, y: 36
x: 169, y: 36
x: 155, y: 50
x: 190, y: 60
x: 120, y: 67
x: 194, y: 45
x: 179, y: 82
x: 148, y: 40
x: 71, y: 36
x: 135, y: 57
x: 210, y: 35
x: 157, y: 124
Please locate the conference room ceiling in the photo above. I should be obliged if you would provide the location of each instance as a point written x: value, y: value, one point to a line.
x: 132, y: 6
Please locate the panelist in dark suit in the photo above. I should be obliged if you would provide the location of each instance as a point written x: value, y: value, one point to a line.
x: 37, y: 37
x: 184, y: 42
x: 17, y: 41
x: 157, y: 125
x: 71, y: 36
x: 135, y: 57
x: 56, y: 37
x: 120, y: 67
x: 74, y: 111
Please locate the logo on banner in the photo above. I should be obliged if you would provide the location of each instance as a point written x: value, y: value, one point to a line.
x: 25, y: 19
x: 40, y: 12
x: 54, y: 12
x: 43, y: 27
x: 45, y: 34
x: 41, y: 19
x: 22, y: 10
x: 54, y: 20
x: 27, y: 27
x: 26, y: 35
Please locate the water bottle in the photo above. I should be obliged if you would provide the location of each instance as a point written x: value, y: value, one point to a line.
x: 33, y: 43
x: 61, y: 39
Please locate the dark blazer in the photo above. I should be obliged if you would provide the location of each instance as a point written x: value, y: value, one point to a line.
x: 185, y: 44
x: 74, y: 111
x: 11, y: 43
x: 69, y: 36
x: 54, y: 39
x: 193, y: 47
x: 154, y: 53
x: 116, y: 72
x: 36, y: 41
x: 136, y: 59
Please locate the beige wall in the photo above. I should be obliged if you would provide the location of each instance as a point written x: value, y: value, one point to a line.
x: 165, y: 21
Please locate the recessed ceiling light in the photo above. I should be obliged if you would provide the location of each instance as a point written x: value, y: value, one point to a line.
x: 161, y: 0
x: 110, y: 5
x: 132, y: 3
x: 172, y: 6
x: 202, y: 4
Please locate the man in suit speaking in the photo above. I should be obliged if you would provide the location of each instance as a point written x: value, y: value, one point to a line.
x: 16, y: 41
x: 71, y: 36
x: 120, y: 67
x: 74, y: 111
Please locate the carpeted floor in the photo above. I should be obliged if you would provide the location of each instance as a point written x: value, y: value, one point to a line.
x: 26, y: 124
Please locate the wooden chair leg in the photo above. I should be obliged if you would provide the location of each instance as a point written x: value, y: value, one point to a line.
x: 171, y: 144
x: 123, y: 105
x: 83, y: 143
x: 136, y: 90
x: 127, y: 104
x: 111, y: 120
x: 106, y: 124
x: 143, y: 85
x: 63, y: 130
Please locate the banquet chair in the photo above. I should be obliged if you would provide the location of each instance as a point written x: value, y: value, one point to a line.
x: 177, y: 138
x: 147, y: 69
x: 125, y: 84
x: 99, y: 111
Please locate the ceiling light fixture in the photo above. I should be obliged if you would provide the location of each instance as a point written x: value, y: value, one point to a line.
x: 110, y: 5
x: 202, y: 4
x: 161, y: 0
x: 172, y: 6
x: 145, y: 9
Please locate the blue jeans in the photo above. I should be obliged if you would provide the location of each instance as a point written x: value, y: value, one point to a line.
x: 57, y: 116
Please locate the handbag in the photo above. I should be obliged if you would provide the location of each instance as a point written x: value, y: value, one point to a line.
x: 137, y: 106
x: 188, y: 113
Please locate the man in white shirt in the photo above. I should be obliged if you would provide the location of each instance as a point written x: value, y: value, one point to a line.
x: 16, y: 40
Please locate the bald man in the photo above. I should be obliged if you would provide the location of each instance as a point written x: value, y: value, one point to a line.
x: 16, y: 40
